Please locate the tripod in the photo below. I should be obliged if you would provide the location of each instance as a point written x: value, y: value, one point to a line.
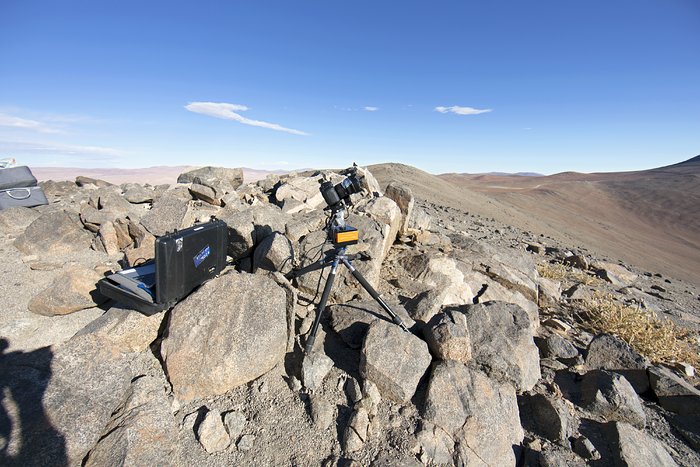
x: 334, y: 258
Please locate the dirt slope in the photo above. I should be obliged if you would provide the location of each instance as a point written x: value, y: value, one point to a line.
x: 648, y: 218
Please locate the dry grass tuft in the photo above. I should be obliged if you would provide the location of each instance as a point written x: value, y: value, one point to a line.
x: 662, y: 341
x: 563, y: 273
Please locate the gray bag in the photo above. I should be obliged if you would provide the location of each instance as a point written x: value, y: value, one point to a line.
x: 22, y: 196
x: 14, y: 177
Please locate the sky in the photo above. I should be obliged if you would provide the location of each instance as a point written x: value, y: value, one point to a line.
x: 446, y: 86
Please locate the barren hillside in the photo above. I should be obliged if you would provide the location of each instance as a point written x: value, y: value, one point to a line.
x: 648, y: 218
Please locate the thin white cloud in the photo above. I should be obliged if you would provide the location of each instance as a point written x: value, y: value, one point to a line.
x: 11, y: 121
x: 44, y: 148
x: 455, y: 109
x: 371, y: 109
x: 61, y: 154
x: 227, y: 111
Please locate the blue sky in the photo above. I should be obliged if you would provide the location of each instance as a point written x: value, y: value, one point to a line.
x: 447, y: 86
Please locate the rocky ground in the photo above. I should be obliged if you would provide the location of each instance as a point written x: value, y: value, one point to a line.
x: 502, y: 364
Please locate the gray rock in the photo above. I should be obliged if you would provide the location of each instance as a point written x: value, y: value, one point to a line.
x: 109, y: 199
x: 274, y: 253
x: 73, y: 290
x: 616, y: 274
x: 54, y: 233
x: 137, y: 194
x: 611, y: 396
x: 235, y: 424
x: 246, y: 443
x: 436, y: 445
x: 448, y: 337
x: 85, y: 382
x: 546, y: 416
x: 689, y: 428
x: 635, y: 447
x: 141, y: 432
x: 240, y: 232
x: 427, y: 304
x: 555, y: 346
x: 212, y: 434
x: 608, y: 352
x: 584, y: 448
x: 213, y: 177
x: 502, y: 342
x: 250, y: 227
x: 368, y: 181
x: 371, y: 397
x: 481, y: 413
x: 385, y: 211
x: 674, y: 393
x: 315, y: 367
x: 403, y: 197
x: 548, y: 292
x: 577, y: 261
x: 302, y: 189
x: 353, y: 390
x: 206, y: 194
x: 357, y: 431
x: 83, y: 181
x: 302, y: 224
x: 351, y: 320
x: 13, y: 221
x: 166, y: 215
x: 419, y: 220
x: 394, y: 360
x: 321, y: 412
x: 230, y: 331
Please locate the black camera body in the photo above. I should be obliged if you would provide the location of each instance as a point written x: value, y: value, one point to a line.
x: 334, y: 195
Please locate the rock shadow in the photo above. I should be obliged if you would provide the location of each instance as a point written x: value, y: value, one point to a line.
x: 27, y: 437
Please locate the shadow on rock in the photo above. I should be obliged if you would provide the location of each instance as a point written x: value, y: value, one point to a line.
x: 27, y: 437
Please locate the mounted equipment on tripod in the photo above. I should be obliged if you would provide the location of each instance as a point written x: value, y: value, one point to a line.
x: 341, y: 236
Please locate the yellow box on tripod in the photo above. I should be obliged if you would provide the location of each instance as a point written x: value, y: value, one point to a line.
x: 347, y: 236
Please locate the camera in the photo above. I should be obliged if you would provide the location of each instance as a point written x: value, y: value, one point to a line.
x: 334, y: 195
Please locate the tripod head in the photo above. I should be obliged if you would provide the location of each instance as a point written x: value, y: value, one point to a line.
x: 339, y: 233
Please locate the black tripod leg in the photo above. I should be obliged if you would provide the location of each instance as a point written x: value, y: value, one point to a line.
x: 320, y: 264
x: 321, y: 307
x: 370, y: 290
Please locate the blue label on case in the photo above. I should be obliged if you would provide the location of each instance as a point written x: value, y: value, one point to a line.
x: 201, y: 256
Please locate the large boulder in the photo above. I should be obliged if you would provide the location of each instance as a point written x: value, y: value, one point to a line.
x: 403, y: 197
x: 352, y: 319
x: 68, y: 396
x: 616, y: 274
x: 674, y: 393
x: 230, y: 331
x: 439, y: 272
x: 274, y: 253
x: 481, y: 414
x: 13, y: 221
x: 631, y: 446
x: 611, y: 396
x: 249, y: 227
x: 502, y: 342
x: 218, y: 178
x: 385, y: 211
x: 546, y: 416
x: 394, y: 360
x: 447, y: 336
x: 608, y: 352
x: 166, y: 215
x: 142, y: 431
x: 304, y: 190
x: 73, y: 290
x: 54, y: 233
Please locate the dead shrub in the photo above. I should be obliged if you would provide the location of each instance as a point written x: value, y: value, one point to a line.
x: 662, y: 341
x: 563, y: 273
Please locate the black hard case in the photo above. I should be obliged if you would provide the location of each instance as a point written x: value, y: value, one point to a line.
x: 14, y: 177
x: 183, y: 260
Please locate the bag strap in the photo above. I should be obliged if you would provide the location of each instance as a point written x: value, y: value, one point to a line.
x: 24, y: 190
